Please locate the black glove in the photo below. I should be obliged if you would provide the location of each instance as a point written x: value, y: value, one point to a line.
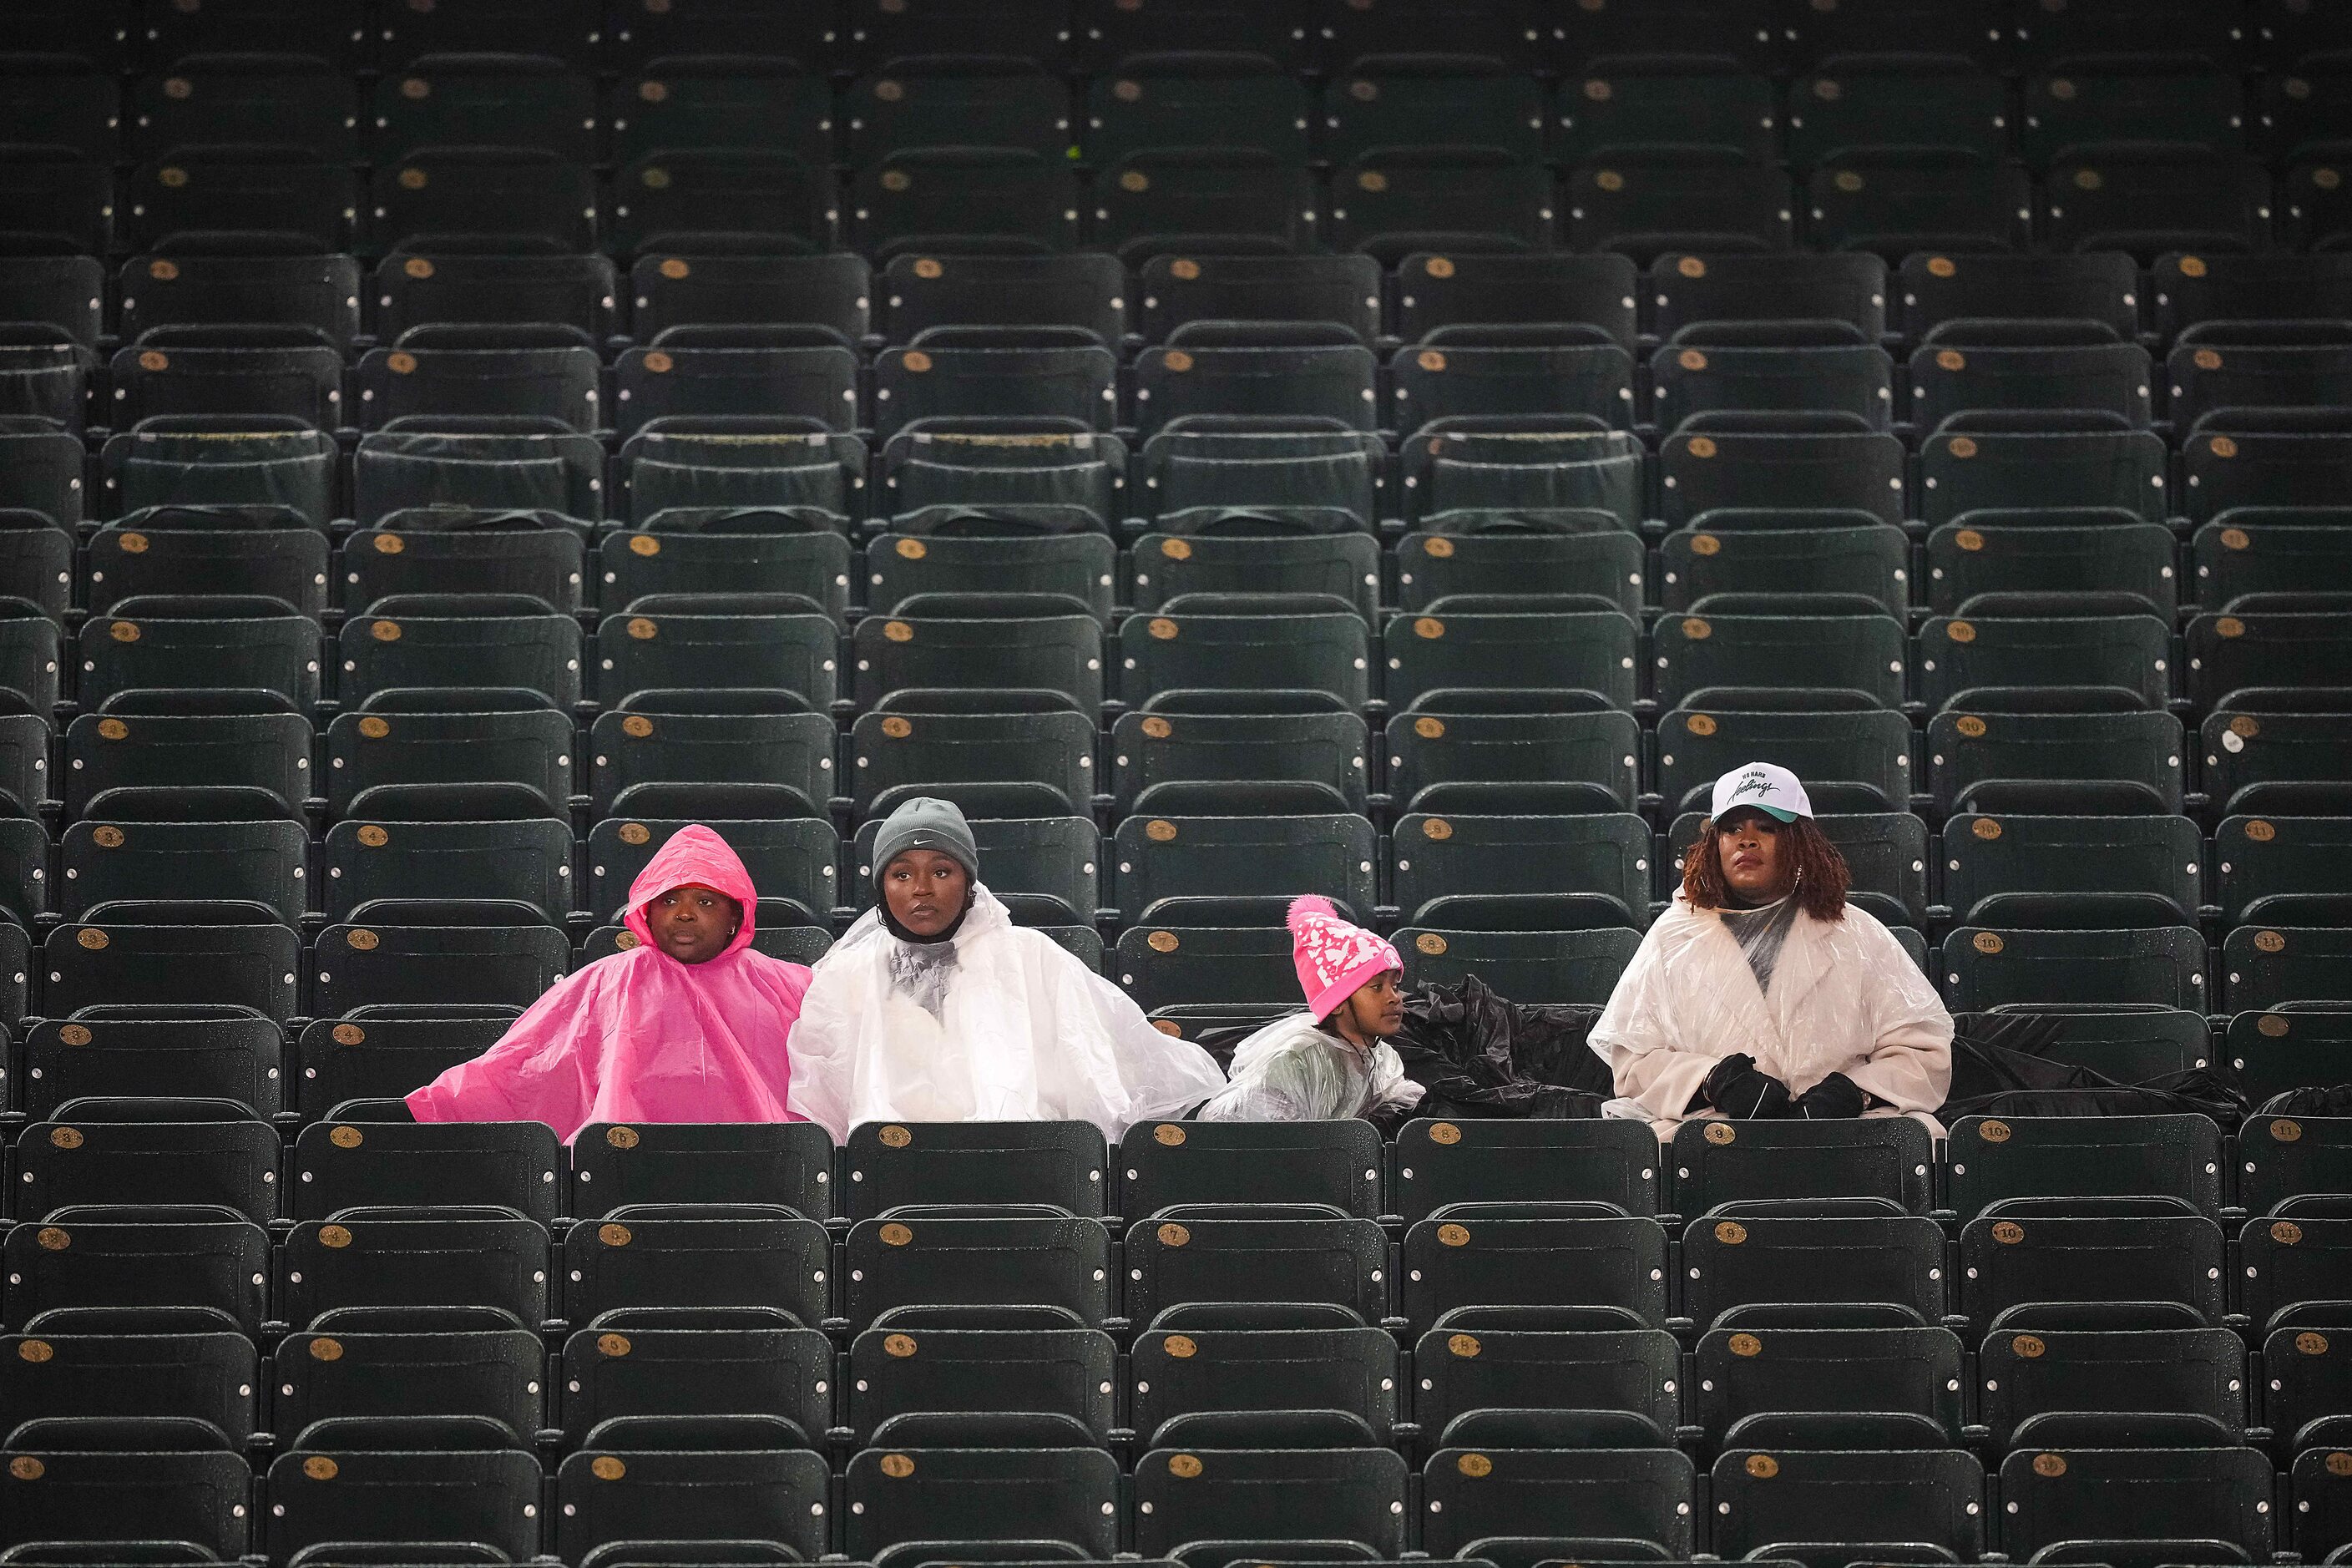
x: 1836, y: 1098
x: 1736, y: 1088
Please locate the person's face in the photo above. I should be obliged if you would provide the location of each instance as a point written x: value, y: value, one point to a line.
x: 693, y: 923
x: 1376, y: 1010
x: 1749, y: 846
x: 925, y: 890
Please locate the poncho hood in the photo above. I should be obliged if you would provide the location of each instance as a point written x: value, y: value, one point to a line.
x: 694, y: 854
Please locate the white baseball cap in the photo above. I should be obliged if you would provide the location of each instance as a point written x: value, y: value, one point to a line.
x: 1773, y: 791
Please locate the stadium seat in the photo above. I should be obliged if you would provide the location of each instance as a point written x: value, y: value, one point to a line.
x: 1551, y: 1255
x: 2010, y: 870
x: 2049, y: 1157
x: 1865, y: 754
x: 1440, y: 1163
x: 1349, y: 1373
x: 1440, y: 862
x: 2044, y: 1380
x: 1271, y: 1494
x: 439, y: 99
x: 261, y: 863
x: 940, y: 198
x: 1161, y: 860
x: 975, y: 1258
x: 615, y: 1166
x: 184, y: 1377
x: 1215, y: 761
x: 1787, y: 1372
x: 709, y: 288
x: 1395, y: 201
x: 156, y: 1151
x: 2281, y: 1157
x: 493, y: 463
x: 2177, y: 1493
x: 719, y: 199
x: 2106, y: 553
x: 198, y: 1498
x: 2040, y: 1253
x: 1632, y: 1498
x: 2151, y: 198
x: 1057, y: 1163
x: 1331, y: 1162
x: 654, y: 1365
x: 171, y: 1053
x: 2272, y: 1052
x: 697, y: 1256
x: 528, y: 197
x: 1657, y: 201
x: 496, y: 1374
x: 1299, y: 645
x: 390, y: 1054
x: 705, y: 99
x: 1488, y: 1361
x: 1825, y: 1259
x: 1181, y: 95
x: 1060, y: 1372
x: 2031, y: 761
x: 1500, y: 371
x: 214, y: 1263
x: 2288, y: 1262
x: 486, y: 1495
x: 1877, y: 1158
x: 1063, y: 1495
x: 1932, y: 1497
x: 1897, y: 200
x: 1836, y: 557
x: 1740, y: 463
x: 1904, y: 94
x: 618, y: 1499
x: 1161, y: 966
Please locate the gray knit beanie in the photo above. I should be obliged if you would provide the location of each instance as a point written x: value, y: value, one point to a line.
x: 924, y: 823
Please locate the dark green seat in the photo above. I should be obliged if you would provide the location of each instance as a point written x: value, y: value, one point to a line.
x: 1501, y: 370
x: 2079, y: 105
x: 514, y: 1165
x: 1521, y: 1261
x: 987, y: 101
x: 1722, y: 369
x: 270, y: 551
x: 1481, y: 288
x: 2272, y: 1051
x: 1933, y: 1498
x: 1316, y: 1494
x: 1249, y: 1163
x: 2277, y: 870
x: 1052, y: 373
x: 1592, y: 758
x: 2183, y: 1370
x: 1158, y: 98
x: 2152, y: 198
x: 528, y: 862
x: 1344, y: 290
x: 1289, y: 1256
x: 2211, y: 1494
x: 2228, y: 654
x: 2285, y: 1156
x: 691, y: 97
x: 770, y: 1494
x: 1397, y: 200
x: 256, y: 862
x: 1270, y: 858
x: 679, y: 197
x: 785, y: 1163
x: 2269, y: 963
x: 229, y: 1165
x: 386, y: 1058
x: 1582, y: 650
x: 664, y: 1367
x: 1343, y: 566
x: 975, y: 1162
x: 2259, y: 760
x: 509, y: 965
x: 702, y: 287
x: 789, y: 755
x: 926, y: 197
x: 979, y: 1259
x: 1539, y: 1160
x: 1637, y: 1498
x: 715, y: 559
x: 2105, y: 553
x: 457, y: 100
x: 687, y: 1255
x: 1696, y: 657
x: 1080, y: 566
x: 473, y: 1259
x: 1062, y: 1495
x: 1228, y: 645
x: 1066, y: 1371
x: 2083, y: 1156
x: 1167, y: 762
x: 1915, y: 1371
x: 240, y: 965
x: 531, y: 750
x: 535, y: 554
x: 2019, y: 462
x: 202, y: 1498
x: 1896, y: 99
x: 1057, y: 653
x: 1886, y: 1158
x: 1897, y: 200
x: 488, y: 1496
x: 1781, y: 462
x: 1440, y: 857
x: 1982, y: 968
x: 2261, y: 550
x: 2101, y: 287
x: 538, y: 653
x: 2048, y: 762
x: 1489, y: 1364
x: 162, y: 642
x: 1388, y: 100
x: 1432, y: 567
x: 1050, y: 754
x: 1215, y: 200
x: 1968, y: 660
x: 1624, y: 108
x: 2031, y: 870
x: 206, y: 1053
x: 1648, y: 201
x: 500, y: 1375
x: 1720, y: 554
x: 210, y: 1262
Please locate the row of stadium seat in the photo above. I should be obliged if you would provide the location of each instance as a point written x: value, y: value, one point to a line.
x: 1155, y: 102
x: 1010, y: 641
x: 622, y: 34
x: 357, y: 1155
x: 1922, y: 298
x: 1300, y: 371
x: 2146, y: 199
x: 1464, y: 1498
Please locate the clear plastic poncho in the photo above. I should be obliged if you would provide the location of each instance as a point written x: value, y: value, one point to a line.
x: 996, y: 1024
x: 1843, y: 997
x: 1291, y: 1071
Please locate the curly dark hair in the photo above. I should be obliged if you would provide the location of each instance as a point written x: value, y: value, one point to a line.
x: 1822, y: 874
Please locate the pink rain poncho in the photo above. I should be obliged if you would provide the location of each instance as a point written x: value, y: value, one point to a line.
x: 639, y: 1036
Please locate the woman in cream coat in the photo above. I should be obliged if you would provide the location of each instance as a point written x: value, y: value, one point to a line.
x: 1761, y: 993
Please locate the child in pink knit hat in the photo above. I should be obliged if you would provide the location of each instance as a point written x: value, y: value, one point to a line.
x: 1333, y: 1061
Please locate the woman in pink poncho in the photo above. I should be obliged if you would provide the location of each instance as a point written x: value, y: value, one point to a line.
x: 688, y: 1025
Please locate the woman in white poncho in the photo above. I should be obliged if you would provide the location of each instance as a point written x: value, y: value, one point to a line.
x: 1761, y: 993
x: 936, y: 1007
